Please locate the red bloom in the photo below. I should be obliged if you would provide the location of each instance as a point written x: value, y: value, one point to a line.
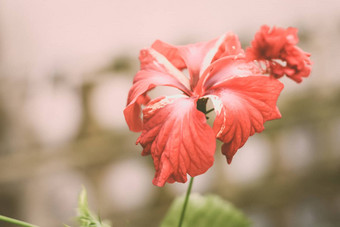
x: 174, y: 128
x: 277, y: 48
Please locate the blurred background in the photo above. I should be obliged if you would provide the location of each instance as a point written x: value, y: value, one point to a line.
x: 65, y: 71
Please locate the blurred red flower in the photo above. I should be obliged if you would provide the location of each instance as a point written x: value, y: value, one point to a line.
x: 174, y: 128
x: 277, y: 48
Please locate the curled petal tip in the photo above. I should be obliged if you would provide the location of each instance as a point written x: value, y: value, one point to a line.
x: 158, y: 183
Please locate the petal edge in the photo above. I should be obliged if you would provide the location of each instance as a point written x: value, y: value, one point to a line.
x: 242, y: 106
x: 178, y: 138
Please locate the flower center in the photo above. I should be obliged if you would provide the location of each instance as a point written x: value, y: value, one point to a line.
x: 202, y: 105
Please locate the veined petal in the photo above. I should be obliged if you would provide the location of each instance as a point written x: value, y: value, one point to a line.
x: 189, y: 56
x: 155, y: 71
x: 177, y: 136
x: 226, y: 45
x: 242, y: 106
x: 197, y: 57
x: 171, y: 69
x: 225, y: 69
x: 171, y: 52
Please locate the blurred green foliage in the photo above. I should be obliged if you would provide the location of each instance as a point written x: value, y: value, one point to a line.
x: 85, y: 217
x: 204, y: 211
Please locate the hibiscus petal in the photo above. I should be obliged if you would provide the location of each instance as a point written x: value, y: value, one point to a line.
x: 242, y: 106
x: 170, y: 52
x: 230, y: 46
x: 197, y: 57
x: 177, y: 136
x: 155, y: 71
x: 273, y: 44
x: 225, y: 69
x: 226, y: 45
x: 189, y: 56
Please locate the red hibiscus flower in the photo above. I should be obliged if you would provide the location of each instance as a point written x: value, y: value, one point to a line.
x: 174, y: 128
x: 277, y: 48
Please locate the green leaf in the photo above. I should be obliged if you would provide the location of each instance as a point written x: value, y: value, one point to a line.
x: 203, y: 211
x: 85, y: 217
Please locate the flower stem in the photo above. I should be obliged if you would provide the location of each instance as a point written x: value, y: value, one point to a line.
x: 185, y: 202
x: 16, y: 222
x: 208, y: 111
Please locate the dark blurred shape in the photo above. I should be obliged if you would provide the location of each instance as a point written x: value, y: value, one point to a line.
x: 121, y: 63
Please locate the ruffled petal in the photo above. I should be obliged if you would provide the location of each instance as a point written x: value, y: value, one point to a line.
x: 177, y: 136
x: 155, y: 71
x: 277, y: 48
x: 242, y: 106
x: 197, y: 57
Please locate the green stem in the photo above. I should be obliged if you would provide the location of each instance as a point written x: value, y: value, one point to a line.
x: 16, y: 222
x: 185, y: 202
